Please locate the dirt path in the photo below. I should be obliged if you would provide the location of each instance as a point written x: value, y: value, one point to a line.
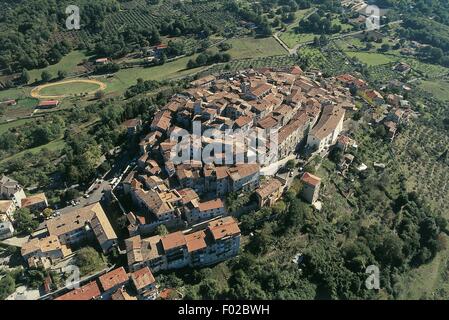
x: 35, y: 92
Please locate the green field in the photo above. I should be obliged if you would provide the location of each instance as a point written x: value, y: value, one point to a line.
x: 291, y: 38
x: 8, y: 125
x: 437, y: 88
x: 74, y: 88
x: 68, y: 63
x: 14, y: 93
x: 243, y: 48
x: 55, y: 145
x: 372, y: 58
x: 124, y: 78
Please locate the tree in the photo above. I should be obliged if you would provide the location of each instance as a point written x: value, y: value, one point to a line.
x: 25, y: 221
x: 99, y: 94
x: 384, y: 47
x: 161, y: 230
x: 89, y: 260
x: 24, y: 77
x: 46, y: 76
x: 47, y: 212
x: 290, y: 165
x: 7, y: 286
x: 62, y: 74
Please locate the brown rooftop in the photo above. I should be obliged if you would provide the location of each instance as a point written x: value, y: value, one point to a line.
x: 210, y: 205
x: 87, y: 292
x: 173, y: 240
x: 310, y: 179
x: 196, y: 241
x: 225, y: 227
x: 113, y: 278
x: 142, y: 278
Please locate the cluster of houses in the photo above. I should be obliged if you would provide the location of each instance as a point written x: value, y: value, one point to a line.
x: 303, y: 109
x: 117, y: 285
x: 390, y: 110
x: 72, y: 229
x: 307, y: 112
x: 12, y: 197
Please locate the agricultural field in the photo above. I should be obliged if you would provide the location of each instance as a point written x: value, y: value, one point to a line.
x: 438, y: 88
x: 371, y: 58
x: 243, y: 48
x: 124, y: 78
x: 13, y: 124
x: 291, y: 38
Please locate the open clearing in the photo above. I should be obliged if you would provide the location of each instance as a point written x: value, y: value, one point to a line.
x: 67, y: 88
x: 69, y: 64
x: 244, y: 48
x: 371, y: 58
x: 438, y: 88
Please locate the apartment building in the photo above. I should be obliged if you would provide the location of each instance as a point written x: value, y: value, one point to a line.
x: 326, y: 131
x: 219, y: 241
x: 197, y: 211
x: 83, y: 224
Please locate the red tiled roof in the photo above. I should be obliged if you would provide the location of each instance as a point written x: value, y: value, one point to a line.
x: 310, y: 179
x: 142, y: 278
x: 173, y: 240
x: 87, y: 292
x: 47, y: 103
x: 113, y: 278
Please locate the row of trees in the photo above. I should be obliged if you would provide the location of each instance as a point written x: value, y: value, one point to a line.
x: 208, y: 58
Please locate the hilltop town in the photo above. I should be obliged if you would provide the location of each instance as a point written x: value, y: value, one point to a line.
x: 189, y: 199
x: 221, y: 149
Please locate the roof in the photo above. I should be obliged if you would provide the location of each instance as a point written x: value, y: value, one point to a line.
x: 173, y: 240
x: 330, y: 118
x: 241, y: 171
x: 196, y: 241
x: 87, y: 292
x: 47, y: 103
x: 210, y: 205
x: 113, y: 278
x: 261, y: 89
x: 268, y: 188
x: 132, y: 123
x: 267, y: 122
x: 373, y: 94
x: 5, y: 205
x: 142, y: 278
x: 310, y: 179
x: 223, y: 228
x: 34, y: 199
x: 162, y: 120
x: 243, y: 121
x: 78, y: 218
x: 47, y: 244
